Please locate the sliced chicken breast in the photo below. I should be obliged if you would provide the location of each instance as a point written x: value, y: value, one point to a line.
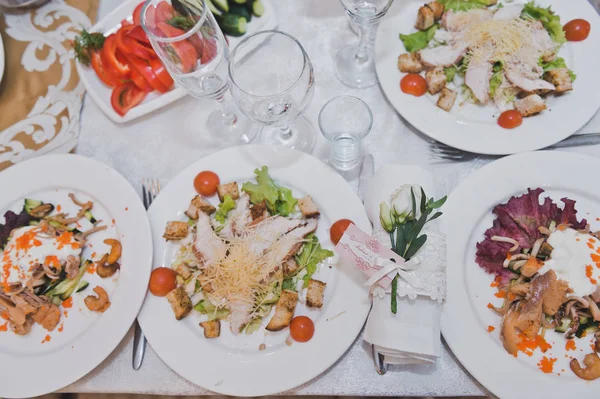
x: 519, y: 78
x: 291, y: 242
x: 238, y: 218
x: 239, y: 315
x: 442, y: 56
x: 477, y: 78
x: 458, y: 21
x: 207, y: 245
x: 507, y: 13
x: 271, y: 229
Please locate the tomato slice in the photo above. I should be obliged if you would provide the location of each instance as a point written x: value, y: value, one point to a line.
x: 210, y: 50
x: 137, y: 14
x: 145, y: 69
x: 128, y: 45
x: 137, y: 33
x: 140, y: 81
x: 103, y: 74
x: 126, y: 96
x: 184, y: 49
x: 161, y: 73
x: 109, y: 54
x: 164, y: 12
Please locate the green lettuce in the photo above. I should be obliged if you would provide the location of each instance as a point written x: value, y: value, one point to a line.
x: 418, y: 40
x: 548, y: 18
x: 497, y: 78
x: 279, y: 200
x: 558, y: 63
x: 213, y: 313
x: 224, y: 207
x: 464, y: 5
x: 310, y: 256
x: 450, y: 73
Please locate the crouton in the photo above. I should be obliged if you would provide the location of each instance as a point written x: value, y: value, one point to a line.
x: 180, y: 302
x: 446, y: 99
x: 230, y: 189
x: 315, y: 293
x: 204, y: 284
x: 258, y: 210
x: 212, y: 329
x: 530, y: 105
x: 425, y: 18
x: 199, y: 204
x: 549, y: 56
x: 308, y: 208
x: 437, y: 8
x: 176, y: 230
x: 560, y: 78
x: 436, y: 80
x: 410, y: 63
x: 290, y: 267
x: 284, y: 311
x: 183, y: 271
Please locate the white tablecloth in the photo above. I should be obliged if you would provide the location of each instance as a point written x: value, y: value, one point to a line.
x: 162, y: 144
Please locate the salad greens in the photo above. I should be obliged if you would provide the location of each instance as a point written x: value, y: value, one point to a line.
x: 418, y: 40
x: 450, y: 73
x: 213, y: 313
x: 558, y: 63
x: 279, y: 200
x: 224, y: 207
x: 310, y: 256
x: 497, y: 78
x: 548, y: 18
x: 464, y: 5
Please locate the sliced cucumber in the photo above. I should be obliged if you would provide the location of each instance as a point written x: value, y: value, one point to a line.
x: 583, y: 320
x: 88, y: 215
x: 241, y: 10
x: 34, y: 223
x: 213, y: 8
x: 240, y: 1
x: 257, y: 8
x: 222, y: 5
x: 233, y: 25
x: 586, y: 329
x: 82, y: 286
x: 565, y: 323
x: 30, y: 204
x: 66, y: 287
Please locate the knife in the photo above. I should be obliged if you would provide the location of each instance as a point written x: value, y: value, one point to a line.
x: 366, y: 172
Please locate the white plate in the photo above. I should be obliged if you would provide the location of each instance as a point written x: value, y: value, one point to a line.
x: 100, y: 92
x: 30, y: 367
x: 474, y: 128
x: 234, y: 365
x: 465, y: 316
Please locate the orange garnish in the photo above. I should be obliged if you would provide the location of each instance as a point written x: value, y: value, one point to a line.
x: 496, y: 282
x: 4, y: 327
x: 528, y: 346
x: 590, y: 245
x: 52, y: 260
x: 67, y: 303
x: 595, y: 258
x: 500, y: 294
x: 58, y: 208
x: 547, y: 364
x: 490, y: 329
x: 25, y: 241
x: 47, y: 338
x: 570, y: 345
x: 91, y: 269
x: 561, y: 227
x: 4, y: 315
x: 489, y: 305
x: 61, y: 327
x: 588, y: 273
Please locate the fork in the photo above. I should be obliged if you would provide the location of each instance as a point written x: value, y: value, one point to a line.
x: 443, y: 153
x: 150, y: 189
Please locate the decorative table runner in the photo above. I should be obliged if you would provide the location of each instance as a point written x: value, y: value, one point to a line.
x: 40, y: 93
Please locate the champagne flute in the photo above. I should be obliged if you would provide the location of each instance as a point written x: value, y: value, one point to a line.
x: 272, y: 82
x: 190, y: 44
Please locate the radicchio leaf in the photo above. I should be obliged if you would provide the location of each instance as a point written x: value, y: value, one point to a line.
x: 11, y: 222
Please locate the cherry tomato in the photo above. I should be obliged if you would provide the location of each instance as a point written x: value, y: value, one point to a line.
x: 413, y: 84
x: 104, y: 75
x: 125, y: 97
x: 510, y: 119
x: 110, y: 59
x: 137, y: 14
x: 302, y: 329
x: 206, y: 183
x: 162, y: 281
x: 577, y: 30
x: 338, y: 229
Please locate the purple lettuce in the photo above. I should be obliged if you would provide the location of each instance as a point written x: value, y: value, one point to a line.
x: 520, y: 219
x: 11, y: 222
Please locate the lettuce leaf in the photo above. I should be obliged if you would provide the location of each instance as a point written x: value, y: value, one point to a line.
x: 464, y: 5
x: 548, y: 18
x: 497, y: 78
x: 11, y: 222
x: 213, y: 313
x: 224, y: 207
x: 310, y: 256
x: 558, y: 63
x: 450, y: 73
x: 279, y: 200
x: 418, y: 40
x: 286, y: 202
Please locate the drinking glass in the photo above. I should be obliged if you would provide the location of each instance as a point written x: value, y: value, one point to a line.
x: 355, y: 65
x: 272, y: 82
x: 345, y: 121
x: 190, y: 44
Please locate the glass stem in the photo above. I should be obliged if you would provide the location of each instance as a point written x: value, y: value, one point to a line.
x: 366, y: 36
x: 225, y: 106
x: 286, y: 132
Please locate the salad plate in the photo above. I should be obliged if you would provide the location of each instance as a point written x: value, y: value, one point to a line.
x: 474, y: 127
x: 545, y: 358
x: 101, y: 93
x: 88, y: 246
x: 239, y: 354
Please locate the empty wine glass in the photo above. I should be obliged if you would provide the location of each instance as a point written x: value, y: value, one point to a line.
x: 190, y: 44
x: 355, y: 66
x: 273, y: 83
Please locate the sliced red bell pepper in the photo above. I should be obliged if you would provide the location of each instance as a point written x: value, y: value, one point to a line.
x: 140, y: 81
x: 161, y: 73
x: 137, y: 33
x: 145, y: 69
x: 104, y: 75
x: 126, y: 96
x: 184, y: 49
x: 137, y: 14
x: 164, y: 12
x: 110, y: 60
x: 128, y: 45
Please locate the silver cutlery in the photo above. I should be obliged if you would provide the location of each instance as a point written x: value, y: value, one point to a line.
x: 443, y: 153
x: 150, y: 189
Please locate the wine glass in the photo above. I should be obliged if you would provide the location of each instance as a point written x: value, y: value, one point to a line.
x: 272, y: 82
x: 190, y: 44
x: 355, y: 65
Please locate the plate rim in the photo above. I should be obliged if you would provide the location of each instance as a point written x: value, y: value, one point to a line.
x: 360, y: 310
x: 129, y: 299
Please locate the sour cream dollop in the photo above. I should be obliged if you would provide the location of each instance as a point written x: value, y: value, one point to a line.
x: 29, y: 246
x: 575, y: 259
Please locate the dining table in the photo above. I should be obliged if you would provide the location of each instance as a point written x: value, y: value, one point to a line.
x: 162, y: 143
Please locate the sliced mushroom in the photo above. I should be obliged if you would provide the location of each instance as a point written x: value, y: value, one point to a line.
x: 41, y: 211
x: 115, y: 250
x: 591, y: 370
x: 105, y: 270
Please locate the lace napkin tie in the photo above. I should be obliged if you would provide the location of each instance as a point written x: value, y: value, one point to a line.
x: 403, y: 268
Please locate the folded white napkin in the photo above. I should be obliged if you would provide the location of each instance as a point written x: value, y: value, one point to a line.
x: 412, y: 335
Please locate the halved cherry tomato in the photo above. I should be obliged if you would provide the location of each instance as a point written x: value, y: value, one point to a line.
x: 145, y: 69
x: 413, y: 84
x: 577, y: 30
x: 206, y: 183
x: 137, y: 14
x: 164, y: 12
x: 510, y: 119
x: 162, y: 281
x: 302, y: 329
x: 127, y: 44
x: 125, y: 97
x: 184, y: 49
x: 104, y: 75
x: 140, y: 81
x: 137, y: 33
x: 109, y: 56
x: 161, y: 73
x: 338, y: 229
